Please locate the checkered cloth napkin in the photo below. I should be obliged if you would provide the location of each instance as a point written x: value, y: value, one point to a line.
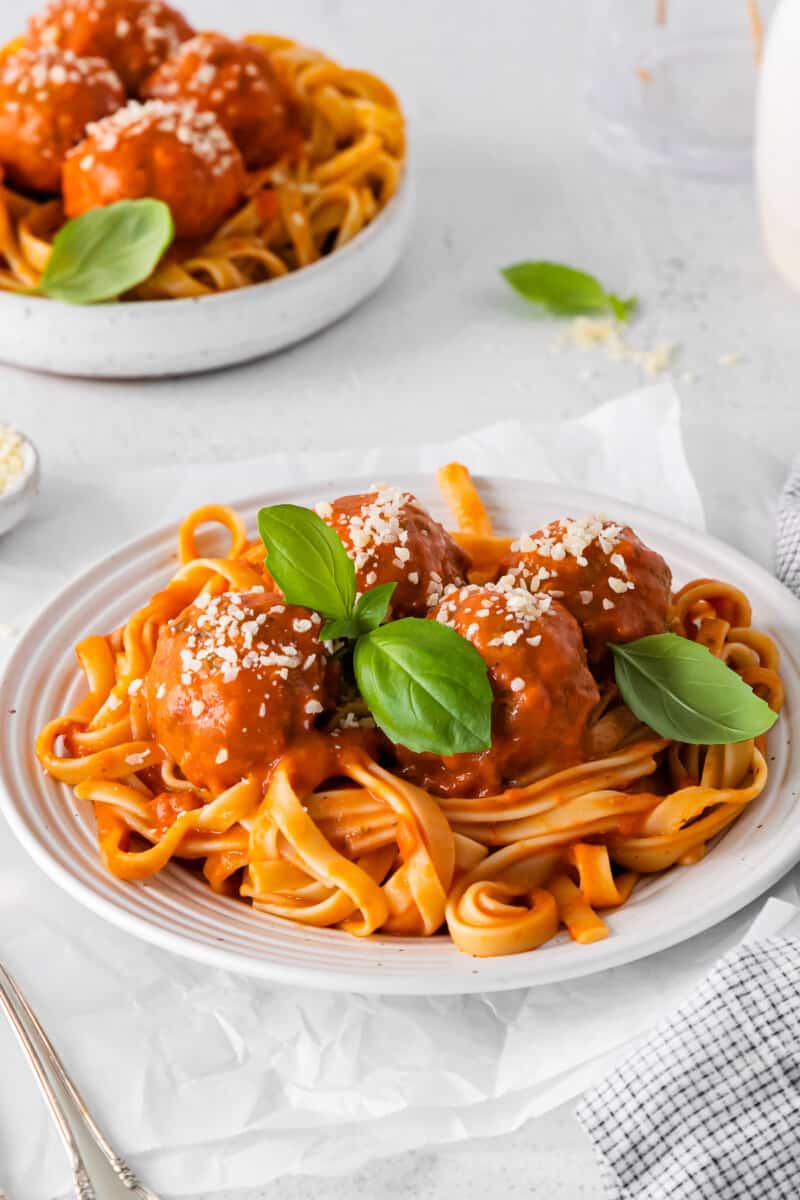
x: 787, y: 540
x: 707, y: 1107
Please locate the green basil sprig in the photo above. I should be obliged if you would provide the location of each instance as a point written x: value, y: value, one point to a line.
x: 683, y: 692
x: 107, y: 251
x: 423, y: 687
x: 426, y: 686
x: 307, y: 560
x: 565, y: 292
x: 370, y: 612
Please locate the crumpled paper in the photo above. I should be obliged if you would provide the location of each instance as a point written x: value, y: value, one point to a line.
x: 206, y: 1080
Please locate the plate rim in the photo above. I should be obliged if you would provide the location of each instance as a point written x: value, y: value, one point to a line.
x: 347, y: 979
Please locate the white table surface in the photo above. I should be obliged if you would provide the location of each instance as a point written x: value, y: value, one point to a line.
x: 504, y: 172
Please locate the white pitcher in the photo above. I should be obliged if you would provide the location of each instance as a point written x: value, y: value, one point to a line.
x: 777, y: 150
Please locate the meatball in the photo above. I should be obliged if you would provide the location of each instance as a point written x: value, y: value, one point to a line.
x: 616, y: 587
x: 234, y: 680
x: 543, y: 691
x: 168, y: 151
x: 233, y: 80
x: 392, y: 540
x: 47, y: 98
x: 133, y: 35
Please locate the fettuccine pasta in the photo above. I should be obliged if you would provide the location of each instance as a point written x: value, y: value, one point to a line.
x: 334, y: 828
x: 342, y: 162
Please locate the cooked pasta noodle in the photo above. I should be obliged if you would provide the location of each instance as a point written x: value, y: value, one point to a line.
x: 340, y: 171
x: 330, y: 837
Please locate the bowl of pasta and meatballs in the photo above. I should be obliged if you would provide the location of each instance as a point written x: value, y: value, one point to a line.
x: 282, y: 175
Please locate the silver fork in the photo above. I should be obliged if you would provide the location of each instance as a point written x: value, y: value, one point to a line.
x: 10, y: 995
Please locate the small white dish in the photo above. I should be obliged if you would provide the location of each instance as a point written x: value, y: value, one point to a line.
x: 177, y: 911
x: 16, y: 501
x: 145, y: 339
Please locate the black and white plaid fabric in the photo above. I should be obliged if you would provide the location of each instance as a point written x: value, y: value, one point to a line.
x: 787, y: 534
x: 708, y: 1106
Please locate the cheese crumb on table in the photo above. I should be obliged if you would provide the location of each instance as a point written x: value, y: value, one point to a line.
x: 587, y: 332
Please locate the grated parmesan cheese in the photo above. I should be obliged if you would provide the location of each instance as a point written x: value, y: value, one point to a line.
x: 33, y: 72
x: 570, y: 538
x: 12, y: 458
x: 199, y: 131
x: 591, y: 332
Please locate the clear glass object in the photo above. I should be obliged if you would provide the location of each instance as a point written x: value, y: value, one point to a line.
x: 673, y: 82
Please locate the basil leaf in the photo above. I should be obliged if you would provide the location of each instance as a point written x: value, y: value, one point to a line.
x: 334, y: 631
x: 622, y: 309
x: 373, y: 606
x: 683, y: 692
x: 426, y: 686
x: 106, y: 251
x: 369, y: 613
x: 564, y: 291
x: 307, y: 560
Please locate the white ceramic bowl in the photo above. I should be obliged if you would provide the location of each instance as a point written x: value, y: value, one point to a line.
x: 179, y: 912
x: 17, y: 500
x: 179, y: 337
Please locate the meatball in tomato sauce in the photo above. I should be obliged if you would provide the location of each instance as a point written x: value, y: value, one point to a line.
x: 47, y: 98
x: 170, y: 152
x: 235, y: 81
x: 391, y: 539
x: 133, y: 35
x: 616, y: 587
x: 543, y: 691
x: 235, y: 679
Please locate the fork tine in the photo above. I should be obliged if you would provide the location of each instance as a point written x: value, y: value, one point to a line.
x: 118, y: 1165
x: 84, y: 1189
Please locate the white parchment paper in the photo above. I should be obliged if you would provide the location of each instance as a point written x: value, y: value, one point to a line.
x: 206, y: 1080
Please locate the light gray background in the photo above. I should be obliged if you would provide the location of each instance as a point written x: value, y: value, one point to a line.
x: 504, y: 171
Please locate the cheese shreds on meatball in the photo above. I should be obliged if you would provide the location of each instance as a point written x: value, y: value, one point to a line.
x: 616, y: 587
x: 391, y: 539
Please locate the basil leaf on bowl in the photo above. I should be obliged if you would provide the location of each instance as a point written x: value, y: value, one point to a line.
x: 107, y: 251
x: 307, y: 560
x: 565, y: 292
x: 426, y: 686
x: 679, y: 689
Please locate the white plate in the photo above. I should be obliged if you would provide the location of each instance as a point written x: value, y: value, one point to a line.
x: 179, y: 337
x: 177, y: 911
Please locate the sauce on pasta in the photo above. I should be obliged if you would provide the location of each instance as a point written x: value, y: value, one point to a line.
x: 219, y: 729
